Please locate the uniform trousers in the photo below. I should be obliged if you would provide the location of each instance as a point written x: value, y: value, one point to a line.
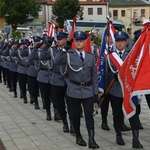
x: 88, y: 111
x: 116, y: 103
x: 4, y: 75
x: 104, y: 109
x: 8, y: 76
x: 58, y: 98
x: 148, y: 99
x: 1, y: 73
x: 14, y: 78
x: 22, y: 78
x: 33, y: 86
x: 45, y: 89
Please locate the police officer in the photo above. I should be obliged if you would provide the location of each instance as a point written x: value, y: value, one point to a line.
x: 82, y: 86
x: 110, y: 47
x: 116, y: 96
x: 33, y: 84
x: 58, y: 89
x: 22, y: 54
x: 14, y: 66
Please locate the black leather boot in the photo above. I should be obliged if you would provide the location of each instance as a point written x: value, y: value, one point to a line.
x: 36, y: 105
x: 135, y: 141
x: 56, y: 115
x: 15, y: 94
x: 65, y: 126
x: 72, y: 130
x: 25, y: 100
x: 119, y: 139
x: 92, y: 143
x: 48, y: 116
x: 80, y: 141
x: 31, y: 99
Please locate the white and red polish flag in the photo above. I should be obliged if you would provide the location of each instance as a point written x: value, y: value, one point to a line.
x: 134, y: 74
x: 51, y: 29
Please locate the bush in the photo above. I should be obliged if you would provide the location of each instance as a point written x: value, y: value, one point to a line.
x: 16, y: 35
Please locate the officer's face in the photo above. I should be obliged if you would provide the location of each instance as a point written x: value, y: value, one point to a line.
x: 79, y: 44
x: 121, y: 44
x: 61, y: 42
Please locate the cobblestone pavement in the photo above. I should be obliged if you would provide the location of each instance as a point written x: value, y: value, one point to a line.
x: 24, y: 128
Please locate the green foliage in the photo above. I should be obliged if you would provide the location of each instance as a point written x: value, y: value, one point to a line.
x: 97, y: 41
x: 17, y: 11
x: 65, y: 9
x: 16, y: 35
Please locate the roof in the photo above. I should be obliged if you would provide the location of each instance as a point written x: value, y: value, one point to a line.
x: 128, y: 2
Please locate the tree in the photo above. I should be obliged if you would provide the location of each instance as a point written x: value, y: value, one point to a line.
x: 17, y: 11
x: 66, y: 9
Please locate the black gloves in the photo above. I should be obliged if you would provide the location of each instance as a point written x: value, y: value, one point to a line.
x: 68, y: 45
x: 38, y: 45
x: 49, y: 43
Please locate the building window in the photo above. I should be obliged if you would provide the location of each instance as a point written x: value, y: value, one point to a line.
x: 90, y: 11
x: 142, y: 12
x: 99, y: 11
x: 135, y: 14
x: 115, y: 14
x: 122, y: 13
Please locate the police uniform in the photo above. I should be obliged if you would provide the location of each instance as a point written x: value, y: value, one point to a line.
x: 44, y: 76
x: 116, y: 98
x: 6, y: 64
x: 82, y: 86
x: 22, y: 54
x: 58, y: 89
x: 14, y: 66
x: 32, y: 77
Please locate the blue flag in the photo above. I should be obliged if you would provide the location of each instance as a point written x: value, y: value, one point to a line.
x: 101, y: 62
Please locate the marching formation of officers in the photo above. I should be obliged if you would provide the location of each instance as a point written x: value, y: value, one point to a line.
x: 66, y: 79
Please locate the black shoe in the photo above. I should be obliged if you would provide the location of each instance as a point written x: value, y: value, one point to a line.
x: 15, y: 95
x: 48, y: 118
x: 80, y: 141
x: 32, y: 101
x: 92, y: 143
x: 56, y: 115
x: 119, y: 140
x: 105, y: 126
x: 136, y: 144
x: 36, y: 106
x: 25, y: 100
x: 141, y: 127
x: 66, y: 128
x: 125, y: 128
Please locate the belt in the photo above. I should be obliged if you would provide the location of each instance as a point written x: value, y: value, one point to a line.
x: 81, y: 83
x: 24, y: 65
x: 46, y: 69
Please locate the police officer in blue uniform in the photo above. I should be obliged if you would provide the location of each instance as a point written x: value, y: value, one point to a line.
x: 33, y: 84
x: 44, y: 76
x: 14, y: 66
x: 82, y: 86
x: 22, y: 54
x: 116, y: 96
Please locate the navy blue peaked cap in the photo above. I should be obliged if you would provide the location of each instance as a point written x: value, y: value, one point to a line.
x: 137, y: 33
x: 36, y: 38
x: 46, y: 39
x: 80, y: 35
x: 61, y: 35
x: 24, y: 41
x: 15, y: 41
x: 121, y: 35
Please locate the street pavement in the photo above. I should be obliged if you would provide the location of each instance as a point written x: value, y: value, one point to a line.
x: 24, y: 128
